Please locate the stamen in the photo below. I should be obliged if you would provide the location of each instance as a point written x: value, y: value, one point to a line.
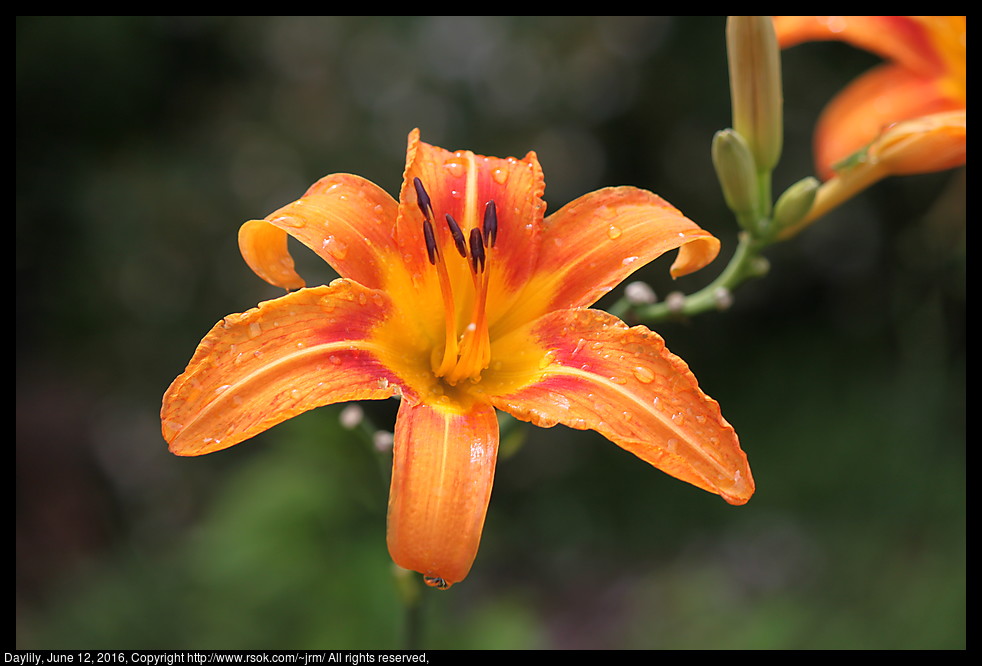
x: 423, y: 199
x: 431, y: 249
x: 458, y: 236
x: 466, y: 356
x: 477, y: 250
x: 490, y: 223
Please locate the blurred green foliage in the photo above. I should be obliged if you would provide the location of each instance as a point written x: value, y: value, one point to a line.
x: 142, y: 144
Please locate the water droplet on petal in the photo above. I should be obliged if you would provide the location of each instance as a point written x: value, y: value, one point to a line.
x: 613, y: 232
x: 643, y: 374
x: 500, y: 176
x: 337, y: 249
x: 455, y: 166
x: 294, y: 222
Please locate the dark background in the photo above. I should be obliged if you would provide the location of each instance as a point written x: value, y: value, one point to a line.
x: 143, y: 143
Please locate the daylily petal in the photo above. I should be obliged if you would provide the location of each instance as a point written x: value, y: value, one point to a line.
x: 253, y: 370
x: 859, y: 113
x: 927, y: 143
x: 903, y: 39
x: 345, y: 219
x: 623, y: 383
x: 442, y: 472
x: 593, y: 243
x: 460, y: 184
x: 264, y: 248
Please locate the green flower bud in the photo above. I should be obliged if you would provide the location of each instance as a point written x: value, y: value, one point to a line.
x: 794, y: 203
x: 755, y: 86
x: 735, y: 169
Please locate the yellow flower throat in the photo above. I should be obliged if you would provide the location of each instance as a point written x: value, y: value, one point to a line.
x: 465, y: 353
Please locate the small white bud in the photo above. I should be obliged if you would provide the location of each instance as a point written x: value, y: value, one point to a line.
x: 723, y: 298
x: 675, y: 301
x: 383, y: 440
x: 351, y: 417
x: 640, y: 293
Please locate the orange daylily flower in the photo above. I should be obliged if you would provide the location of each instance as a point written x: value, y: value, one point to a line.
x: 924, y: 75
x: 462, y: 298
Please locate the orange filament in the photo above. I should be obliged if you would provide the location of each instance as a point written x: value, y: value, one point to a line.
x: 467, y: 354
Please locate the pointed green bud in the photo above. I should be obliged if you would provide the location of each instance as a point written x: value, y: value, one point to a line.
x: 755, y: 86
x: 794, y: 203
x: 736, y: 171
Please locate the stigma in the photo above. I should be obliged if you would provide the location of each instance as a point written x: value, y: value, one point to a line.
x: 466, y: 349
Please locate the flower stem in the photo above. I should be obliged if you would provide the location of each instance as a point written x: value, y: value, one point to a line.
x: 745, y: 264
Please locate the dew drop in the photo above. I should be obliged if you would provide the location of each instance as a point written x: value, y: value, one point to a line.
x: 455, y: 167
x: 334, y: 359
x: 559, y: 400
x: 293, y: 222
x: 436, y: 581
x: 643, y: 374
x: 679, y: 418
x: 613, y: 232
x: 500, y: 176
x: 334, y: 247
x: 255, y: 329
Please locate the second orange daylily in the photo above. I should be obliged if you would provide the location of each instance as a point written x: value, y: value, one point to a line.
x: 461, y: 298
x: 924, y: 76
